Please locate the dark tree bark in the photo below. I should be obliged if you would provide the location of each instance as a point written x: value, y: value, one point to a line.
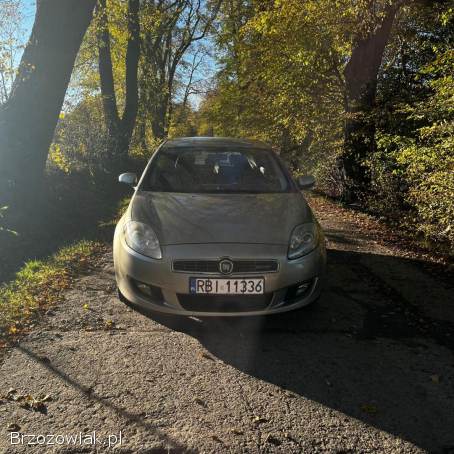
x: 361, y: 87
x: 120, y: 128
x: 160, y: 119
x: 28, y: 119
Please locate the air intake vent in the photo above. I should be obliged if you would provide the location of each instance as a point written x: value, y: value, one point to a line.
x: 225, y: 303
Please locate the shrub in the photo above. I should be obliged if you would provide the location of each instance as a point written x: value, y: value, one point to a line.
x: 417, y: 171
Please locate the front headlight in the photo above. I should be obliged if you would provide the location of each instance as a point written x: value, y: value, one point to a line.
x: 142, y: 239
x: 304, y: 239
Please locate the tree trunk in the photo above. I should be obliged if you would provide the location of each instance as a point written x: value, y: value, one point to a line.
x: 120, y: 129
x: 361, y: 86
x: 160, y: 119
x: 28, y: 119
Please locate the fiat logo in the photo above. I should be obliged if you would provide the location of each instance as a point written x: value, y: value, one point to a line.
x: 226, y: 266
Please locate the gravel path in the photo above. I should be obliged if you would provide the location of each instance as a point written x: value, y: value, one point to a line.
x: 370, y: 368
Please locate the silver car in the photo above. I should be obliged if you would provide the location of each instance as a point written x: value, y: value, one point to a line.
x: 218, y: 227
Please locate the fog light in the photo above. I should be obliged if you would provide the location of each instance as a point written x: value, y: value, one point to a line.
x: 302, y: 288
x: 152, y: 292
x: 298, y: 291
x: 143, y: 288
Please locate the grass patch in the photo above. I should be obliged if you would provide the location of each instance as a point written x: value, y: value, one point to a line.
x: 120, y: 210
x: 122, y: 207
x: 41, y: 283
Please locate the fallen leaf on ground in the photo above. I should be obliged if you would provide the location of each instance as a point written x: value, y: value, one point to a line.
x: 11, y: 394
x: 13, y: 427
x: 28, y: 401
x: 12, y: 329
x: 435, y: 378
x: 34, y: 403
x: 109, y: 325
x: 200, y: 402
x: 259, y: 420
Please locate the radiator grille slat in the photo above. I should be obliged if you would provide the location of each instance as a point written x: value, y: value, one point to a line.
x: 239, y: 266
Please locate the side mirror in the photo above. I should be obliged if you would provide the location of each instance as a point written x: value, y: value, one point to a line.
x: 128, y: 178
x: 306, y: 182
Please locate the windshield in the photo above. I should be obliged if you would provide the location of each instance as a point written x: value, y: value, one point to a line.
x: 216, y: 171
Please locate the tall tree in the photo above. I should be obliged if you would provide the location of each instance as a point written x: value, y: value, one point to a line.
x: 361, y: 73
x: 177, y: 25
x: 120, y: 128
x: 29, y: 117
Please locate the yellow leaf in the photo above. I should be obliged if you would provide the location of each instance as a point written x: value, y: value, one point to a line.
x: 12, y: 330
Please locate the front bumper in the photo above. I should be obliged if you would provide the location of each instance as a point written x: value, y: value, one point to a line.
x: 167, y: 291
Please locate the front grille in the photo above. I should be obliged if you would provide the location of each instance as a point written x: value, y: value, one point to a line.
x: 225, y: 303
x: 239, y: 266
x: 255, y: 266
x: 198, y: 266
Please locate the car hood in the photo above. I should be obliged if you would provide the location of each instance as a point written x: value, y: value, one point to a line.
x: 221, y: 218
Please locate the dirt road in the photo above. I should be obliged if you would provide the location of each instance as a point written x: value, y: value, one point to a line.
x: 369, y: 369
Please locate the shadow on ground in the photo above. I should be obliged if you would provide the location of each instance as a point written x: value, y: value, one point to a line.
x: 69, y: 208
x: 174, y: 447
x: 366, y: 349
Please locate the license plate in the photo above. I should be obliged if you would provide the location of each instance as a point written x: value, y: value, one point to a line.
x: 226, y: 286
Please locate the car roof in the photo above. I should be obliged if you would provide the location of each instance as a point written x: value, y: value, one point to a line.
x: 213, y: 142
